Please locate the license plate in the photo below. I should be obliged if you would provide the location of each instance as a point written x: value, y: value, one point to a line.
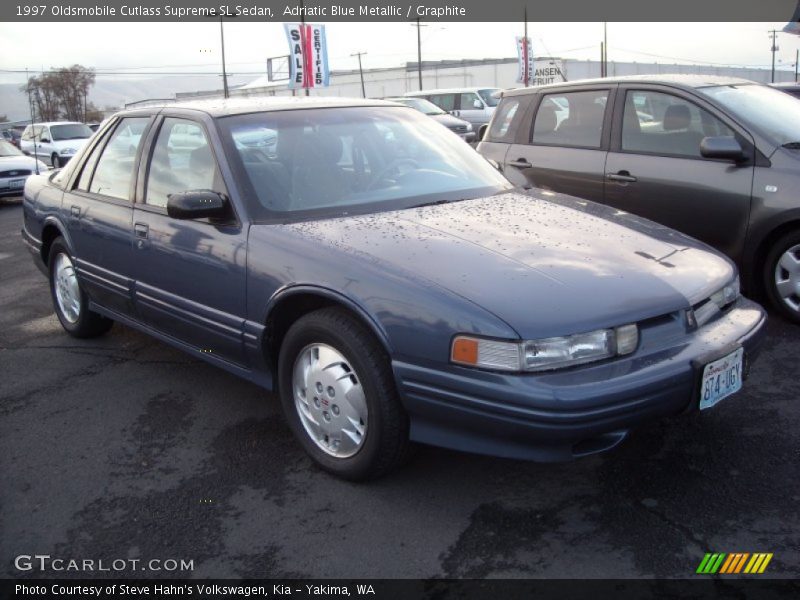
x: 16, y: 184
x: 721, y: 378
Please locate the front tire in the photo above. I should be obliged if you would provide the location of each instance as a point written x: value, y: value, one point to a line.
x: 55, y: 161
x: 782, y: 276
x: 340, y: 398
x: 69, y: 300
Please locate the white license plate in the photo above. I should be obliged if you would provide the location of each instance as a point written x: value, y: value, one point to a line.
x: 16, y: 184
x: 721, y: 378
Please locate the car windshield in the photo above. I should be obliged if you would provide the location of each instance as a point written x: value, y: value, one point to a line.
x: 426, y: 107
x: 7, y: 149
x: 772, y: 113
x: 488, y: 96
x: 72, y: 131
x: 337, y: 161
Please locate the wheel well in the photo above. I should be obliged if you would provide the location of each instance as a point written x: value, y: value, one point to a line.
x: 763, y: 249
x: 49, y: 234
x: 292, y: 307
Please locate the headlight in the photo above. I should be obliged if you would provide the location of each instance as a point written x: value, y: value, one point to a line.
x: 469, y: 126
x: 68, y: 151
x: 727, y: 294
x: 545, y: 354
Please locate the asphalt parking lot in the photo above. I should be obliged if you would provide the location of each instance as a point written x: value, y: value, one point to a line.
x: 122, y: 447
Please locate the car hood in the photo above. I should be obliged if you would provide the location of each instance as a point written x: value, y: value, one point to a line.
x: 448, y: 120
x: 15, y: 163
x: 546, y: 266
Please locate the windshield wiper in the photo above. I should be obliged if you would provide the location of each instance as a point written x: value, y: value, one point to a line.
x: 792, y: 145
x: 435, y: 202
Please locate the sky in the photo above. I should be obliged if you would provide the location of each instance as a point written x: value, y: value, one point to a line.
x: 145, y: 48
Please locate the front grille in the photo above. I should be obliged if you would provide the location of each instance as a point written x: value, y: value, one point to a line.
x: 15, y: 173
x: 458, y: 128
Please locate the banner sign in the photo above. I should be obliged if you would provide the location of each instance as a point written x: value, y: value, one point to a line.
x: 525, y: 56
x: 308, y: 55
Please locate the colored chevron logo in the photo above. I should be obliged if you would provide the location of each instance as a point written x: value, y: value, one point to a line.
x: 733, y: 563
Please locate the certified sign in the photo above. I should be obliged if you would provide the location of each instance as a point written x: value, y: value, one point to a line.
x: 308, y: 55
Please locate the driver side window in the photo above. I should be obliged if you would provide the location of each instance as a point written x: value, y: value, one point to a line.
x: 182, y: 161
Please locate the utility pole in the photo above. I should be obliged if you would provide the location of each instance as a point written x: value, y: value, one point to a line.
x: 361, y: 72
x: 796, y: 59
x: 33, y: 122
x: 224, y: 70
x: 418, y: 25
x: 605, y: 49
x: 774, y: 49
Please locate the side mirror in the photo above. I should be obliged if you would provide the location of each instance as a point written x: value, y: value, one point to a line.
x: 482, y: 131
x: 197, y: 204
x: 725, y: 147
x: 477, y: 104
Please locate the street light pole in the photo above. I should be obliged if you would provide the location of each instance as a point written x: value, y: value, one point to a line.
x: 361, y: 73
x: 774, y: 49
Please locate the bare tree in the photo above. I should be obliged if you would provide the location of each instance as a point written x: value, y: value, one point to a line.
x: 61, y: 93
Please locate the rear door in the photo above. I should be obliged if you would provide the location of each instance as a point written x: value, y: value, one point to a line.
x: 563, y: 145
x: 655, y: 169
x: 189, y: 274
x: 98, y: 210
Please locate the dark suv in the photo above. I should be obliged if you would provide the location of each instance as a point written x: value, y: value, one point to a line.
x: 716, y: 158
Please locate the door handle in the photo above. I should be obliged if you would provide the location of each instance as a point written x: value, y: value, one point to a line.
x: 141, y: 230
x: 75, y: 211
x: 623, y: 176
x: 520, y: 163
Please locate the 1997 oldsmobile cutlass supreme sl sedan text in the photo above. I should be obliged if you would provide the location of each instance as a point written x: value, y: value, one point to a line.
x: 386, y: 281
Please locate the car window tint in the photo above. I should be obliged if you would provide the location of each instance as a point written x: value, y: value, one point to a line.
x: 571, y: 119
x: 444, y: 101
x: 468, y: 102
x: 505, y: 115
x: 114, y: 172
x: 659, y: 123
x: 183, y: 161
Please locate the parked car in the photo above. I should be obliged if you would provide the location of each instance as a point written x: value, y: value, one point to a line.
x: 716, y: 158
x: 15, y: 168
x: 54, y: 142
x: 472, y: 104
x: 387, y: 281
x: 12, y: 136
x: 791, y: 88
x: 458, y: 126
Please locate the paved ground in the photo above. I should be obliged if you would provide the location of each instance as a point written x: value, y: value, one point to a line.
x: 125, y: 448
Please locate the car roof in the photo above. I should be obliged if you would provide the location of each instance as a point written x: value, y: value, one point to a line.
x: 456, y: 90
x: 791, y: 85
x: 675, y: 80
x: 219, y: 107
x: 48, y: 123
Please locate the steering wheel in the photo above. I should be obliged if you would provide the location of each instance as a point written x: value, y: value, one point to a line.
x: 378, y: 177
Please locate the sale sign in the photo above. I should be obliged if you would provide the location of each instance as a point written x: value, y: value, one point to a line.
x: 525, y: 58
x: 308, y: 55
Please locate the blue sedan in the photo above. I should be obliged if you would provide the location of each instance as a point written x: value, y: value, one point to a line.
x: 387, y: 281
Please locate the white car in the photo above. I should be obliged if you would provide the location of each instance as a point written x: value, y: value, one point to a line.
x: 15, y: 168
x: 54, y: 142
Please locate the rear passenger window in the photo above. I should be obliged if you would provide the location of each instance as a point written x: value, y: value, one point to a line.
x: 114, y: 172
x: 501, y: 123
x: 446, y: 102
x: 659, y: 123
x: 571, y: 119
x: 182, y: 161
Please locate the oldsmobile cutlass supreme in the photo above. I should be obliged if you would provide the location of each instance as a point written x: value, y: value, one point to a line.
x: 384, y: 279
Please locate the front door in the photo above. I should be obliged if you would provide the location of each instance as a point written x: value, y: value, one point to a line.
x: 655, y: 169
x: 190, y: 274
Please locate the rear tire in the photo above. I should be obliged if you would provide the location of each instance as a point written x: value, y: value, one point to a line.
x: 339, y: 396
x: 69, y: 300
x: 782, y: 276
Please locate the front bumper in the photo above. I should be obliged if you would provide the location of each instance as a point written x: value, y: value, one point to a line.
x: 562, y: 415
